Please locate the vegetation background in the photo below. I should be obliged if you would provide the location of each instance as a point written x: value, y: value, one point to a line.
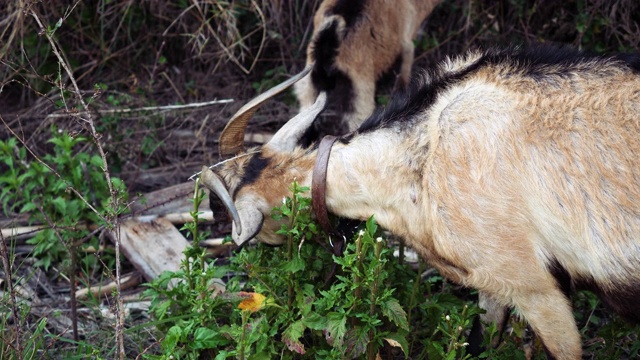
x: 75, y: 74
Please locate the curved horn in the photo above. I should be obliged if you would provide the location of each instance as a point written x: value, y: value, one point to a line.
x: 232, y: 136
x: 213, y: 182
x: 288, y: 136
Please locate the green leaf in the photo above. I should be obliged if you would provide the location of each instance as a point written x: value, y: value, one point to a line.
x: 222, y: 355
x: 174, y: 336
x: 315, y: 322
x: 356, y: 341
x: 296, y: 264
x: 8, y: 160
x: 28, y: 207
x: 435, y: 350
x: 204, y: 338
x: 56, y: 26
x: 160, y: 309
x: 60, y: 205
x: 336, y: 328
x: 372, y: 226
x: 291, y: 337
x: 97, y: 162
x: 394, y: 312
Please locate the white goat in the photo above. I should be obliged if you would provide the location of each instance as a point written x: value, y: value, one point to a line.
x: 503, y: 169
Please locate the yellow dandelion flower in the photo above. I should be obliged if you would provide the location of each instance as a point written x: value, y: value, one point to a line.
x: 253, y: 301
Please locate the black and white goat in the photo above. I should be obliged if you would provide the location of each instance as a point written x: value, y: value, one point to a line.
x: 508, y: 171
x: 356, y: 44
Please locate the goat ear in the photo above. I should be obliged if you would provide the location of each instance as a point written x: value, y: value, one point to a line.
x: 286, y: 139
x: 251, y: 219
x: 232, y: 136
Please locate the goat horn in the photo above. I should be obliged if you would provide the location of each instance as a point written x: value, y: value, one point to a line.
x: 290, y: 133
x: 232, y: 136
x: 213, y: 182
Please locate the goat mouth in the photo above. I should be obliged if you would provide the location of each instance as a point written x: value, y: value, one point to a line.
x: 273, y: 245
x: 215, y: 184
x: 255, y: 233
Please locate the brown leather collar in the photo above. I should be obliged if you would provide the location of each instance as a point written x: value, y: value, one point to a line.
x: 319, y: 190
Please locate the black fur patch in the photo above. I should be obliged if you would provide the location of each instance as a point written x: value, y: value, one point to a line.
x: 253, y: 170
x: 331, y: 121
x: 405, y: 104
x: 623, y: 301
x: 339, y: 87
x: 535, y: 61
x: 325, y: 50
x: 350, y: 10
x: 631, y: 60
x: 542, y: 63
x: 476, y: 335
x: 388, y: 78
x: 475, y: 338
x: 562, y: 277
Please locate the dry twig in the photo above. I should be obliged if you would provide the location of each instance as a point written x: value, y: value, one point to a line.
x: 114, y: 197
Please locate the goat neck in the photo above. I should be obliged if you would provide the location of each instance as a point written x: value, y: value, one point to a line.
x: 368, y: 176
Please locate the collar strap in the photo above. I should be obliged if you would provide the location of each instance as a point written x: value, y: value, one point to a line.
x: 319, y: 191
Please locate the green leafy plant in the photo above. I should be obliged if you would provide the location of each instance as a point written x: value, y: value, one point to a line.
x: 285, y: 294
x: 66, y: 192
x: 182, y: 302
x: 33, y: 343
x: 287, y: 302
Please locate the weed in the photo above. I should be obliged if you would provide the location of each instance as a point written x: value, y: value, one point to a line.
x: 28, y: 186
x: 182, y: 302
x: 65, y: 193
x: 42, y: 191
x: 284, y: 294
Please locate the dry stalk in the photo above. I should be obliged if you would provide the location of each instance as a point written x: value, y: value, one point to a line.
x: 114, y: 198
x: 145, y: 108
x: 4, y: 253
x: 227, y: 49
x: 72, y: 272
x: 14, y: 22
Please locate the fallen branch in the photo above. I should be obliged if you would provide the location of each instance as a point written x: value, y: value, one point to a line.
x: 21, y: 232
x: 144, y: 108
x: 27, y: 232
x: 210, y: 243
x: 179, y: 218
x: 127, y: 281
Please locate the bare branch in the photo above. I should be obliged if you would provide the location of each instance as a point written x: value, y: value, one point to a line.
x: 114, y: 196
x: 146, y: 108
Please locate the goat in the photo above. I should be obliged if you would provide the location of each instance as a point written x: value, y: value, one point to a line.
x: 507, y: 170
x: 356, y: 44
